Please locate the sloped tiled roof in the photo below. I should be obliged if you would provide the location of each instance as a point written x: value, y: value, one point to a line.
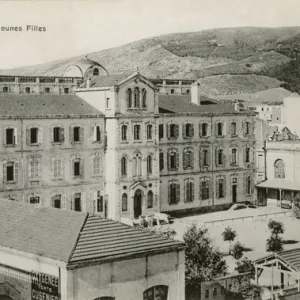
x: 46, y: 232
x: 30, y: 106
x: 183, y: 104
x: 74, y: 237
x: 104, y: 239
x: 107, y: 81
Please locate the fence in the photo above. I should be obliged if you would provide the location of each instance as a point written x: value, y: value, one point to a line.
x: 254, y: 218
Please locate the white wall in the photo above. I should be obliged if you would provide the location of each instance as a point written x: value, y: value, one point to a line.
x: 128, y: 279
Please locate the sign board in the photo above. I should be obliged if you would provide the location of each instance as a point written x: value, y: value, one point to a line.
x: 44, y: 286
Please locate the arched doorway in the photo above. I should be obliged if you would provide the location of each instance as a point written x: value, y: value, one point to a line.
x: 137, y: 204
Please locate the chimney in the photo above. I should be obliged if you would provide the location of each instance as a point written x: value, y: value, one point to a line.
x: 195, y: 93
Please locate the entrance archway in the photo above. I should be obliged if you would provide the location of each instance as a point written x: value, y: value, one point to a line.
x: 137, y: 204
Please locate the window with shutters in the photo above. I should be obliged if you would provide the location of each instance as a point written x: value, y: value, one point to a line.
x: 189, y: 190
x: 57, y: 167
x: 96, y: 134
x: 149, y: 132
x: 220, y: 129
x: 158, y: 292
x: 34, y: 167
x: 279, y: 169
x: 77, y: 202
x: 137, y: 132
x: 248, y: 184
x: 246, y: 128
x: 161, y: 161
x: 233, y: 130
x: 173, y: 131
x: 124, y: 131
x: 129, y: 98
x: 204, y: 129
x: 124, y: 202
x: 247, y: 155
x: 99, y: 202
x: 123, y: 166
x: 58, y: 134
x: 220, y: 187
x: 173, y: 160
x: 234, y: 156
x: 10, y: 136
x: 96, y: 165
x: 78, y: 167
x: 174, y: 192
x: 150, y: 199
x: 33, y: 135
x: 144, y: 98
x: 149, y: 164
x: 56, y: 201
x: 204, y: 189
x: 76, y: 134
x: 188, y: 158
x: 188, y: 130
x: 161, y: 131
x: 204, y: 157
x: 136, y: 99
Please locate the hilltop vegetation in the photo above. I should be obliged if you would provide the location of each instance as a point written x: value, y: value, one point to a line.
x: 248, y: 51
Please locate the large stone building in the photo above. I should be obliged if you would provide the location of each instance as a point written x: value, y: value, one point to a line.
x: 56, y: 254
x: 52, y: 151
x: 170, y: 153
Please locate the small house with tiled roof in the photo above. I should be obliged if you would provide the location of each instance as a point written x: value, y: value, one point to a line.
x: 46, y: 253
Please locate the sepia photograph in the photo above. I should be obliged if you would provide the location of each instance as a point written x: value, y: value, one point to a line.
x: 149, y: 149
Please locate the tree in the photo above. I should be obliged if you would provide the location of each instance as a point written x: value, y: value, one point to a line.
x: 229, y: 235
x: 203, y: 261
x: 276, y: 227
x: 247, y: 289
x: 244, y: 266
x: 237, y: 250
x: 275, y: 242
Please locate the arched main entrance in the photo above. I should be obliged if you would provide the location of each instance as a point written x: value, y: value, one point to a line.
x: 137, y: 204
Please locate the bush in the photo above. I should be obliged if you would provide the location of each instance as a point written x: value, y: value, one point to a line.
x: 244, y: 266
x: 237, y: 250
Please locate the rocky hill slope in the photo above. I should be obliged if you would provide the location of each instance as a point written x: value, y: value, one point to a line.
x: 247, y: 51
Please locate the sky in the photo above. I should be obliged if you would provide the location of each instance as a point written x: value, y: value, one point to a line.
x: 79, y: 27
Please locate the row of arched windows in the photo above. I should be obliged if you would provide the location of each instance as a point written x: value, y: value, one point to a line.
x: 149, y: 201
x: 137, y: 165
x: 136, y: 98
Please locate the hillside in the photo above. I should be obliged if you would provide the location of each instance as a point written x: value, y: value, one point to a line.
x: 247, y: 50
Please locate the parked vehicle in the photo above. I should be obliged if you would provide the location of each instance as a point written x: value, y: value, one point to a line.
x: 286, y: 204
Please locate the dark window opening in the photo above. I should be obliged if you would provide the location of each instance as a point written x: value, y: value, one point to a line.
x: 77, y: 202
x: 10, y: 172
x: 205, y: 158
x: 99, y: 202
x: 10, y: 138
x: 76, y: 168
x: 204, y: 129
x: 27, y: 90
x: 76, y: 132
x: 56, y: 134
x: 57, y: 201
x: 161, y: 131
x: 33, y: 135
x: 66, y: 90
x: 172, y: 130
x: 161, y: 161
x: 47, y: 90
x: 5, y: 89
x: 96, y: 72
x: 34, y: 199
x: 220, y: 129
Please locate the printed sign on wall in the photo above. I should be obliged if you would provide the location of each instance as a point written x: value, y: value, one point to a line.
x: 44, y: 286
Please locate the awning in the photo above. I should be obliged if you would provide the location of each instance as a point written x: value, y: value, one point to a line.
x: 280, y: 184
